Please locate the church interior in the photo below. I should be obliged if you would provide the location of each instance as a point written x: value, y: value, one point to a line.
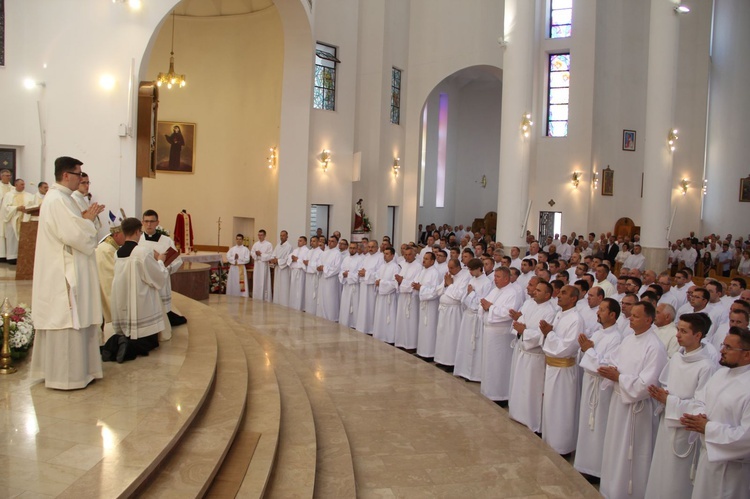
x: 430, y: 111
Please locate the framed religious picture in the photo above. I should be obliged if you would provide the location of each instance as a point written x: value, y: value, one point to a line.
x: 608, y: 182
x: 745, y: 189
x: 175, y: 147
x: 628, y: 140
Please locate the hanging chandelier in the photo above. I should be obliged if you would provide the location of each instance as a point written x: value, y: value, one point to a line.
x: 171, y: 78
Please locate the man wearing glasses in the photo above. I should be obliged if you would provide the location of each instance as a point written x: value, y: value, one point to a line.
x: 160, y: 242
x: 83, y: 199
x: 65, y: 298
x: 721, y: 415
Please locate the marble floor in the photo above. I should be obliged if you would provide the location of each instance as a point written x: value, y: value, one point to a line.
x: 413, y: 430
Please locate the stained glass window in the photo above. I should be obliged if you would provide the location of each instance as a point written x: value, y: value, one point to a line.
x: 560, y: 17
x: 395, y: 96
x: 558, y: 95
x: 324, y: 94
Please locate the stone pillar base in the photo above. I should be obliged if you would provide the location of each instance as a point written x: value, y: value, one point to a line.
x: 656, y: 258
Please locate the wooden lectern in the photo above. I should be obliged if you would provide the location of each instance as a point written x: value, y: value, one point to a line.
x: 26, y: 250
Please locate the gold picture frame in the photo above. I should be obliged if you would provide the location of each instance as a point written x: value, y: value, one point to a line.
x: 608, y: 182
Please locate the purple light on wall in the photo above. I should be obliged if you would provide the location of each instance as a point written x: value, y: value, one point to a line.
x: 442, y: 146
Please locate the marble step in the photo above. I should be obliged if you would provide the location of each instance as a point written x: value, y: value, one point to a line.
x: 142, y: 450
x: 193, y: 463
x: 247, y: 468
x: 295, y: 468
x: 334, y: 473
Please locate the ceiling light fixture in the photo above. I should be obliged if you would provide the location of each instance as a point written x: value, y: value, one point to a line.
x: 171, y: 78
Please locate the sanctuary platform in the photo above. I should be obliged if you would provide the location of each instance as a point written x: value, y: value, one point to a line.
x: 251, y: 400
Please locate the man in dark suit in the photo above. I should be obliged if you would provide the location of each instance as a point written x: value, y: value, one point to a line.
x: 612, y: 250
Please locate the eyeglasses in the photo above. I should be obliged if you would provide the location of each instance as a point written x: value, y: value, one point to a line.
x: 78, y: 174
x: 724, y: 346
x: 150, y: 221
x: 85, y: 182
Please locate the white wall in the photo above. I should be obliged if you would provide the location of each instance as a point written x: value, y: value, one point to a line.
x: 729, y: 108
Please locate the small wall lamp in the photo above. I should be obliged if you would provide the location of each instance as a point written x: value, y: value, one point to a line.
x: 672, y: 139
x: 681, y: 9
x: 272, y: 158
x: 325, y: 158
x: 396, y: 166
x: 526, y: 125
x: 595, y: 182
x: 29, y: 83
x: 575, y: 179
x: 705, y: 186
x: 684, y: 184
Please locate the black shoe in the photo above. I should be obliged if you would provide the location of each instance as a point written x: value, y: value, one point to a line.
x: 12, y: 262
x: 502, y: 403
x: 3, y: 260
x: 176, y: 320
x: 122, y: 348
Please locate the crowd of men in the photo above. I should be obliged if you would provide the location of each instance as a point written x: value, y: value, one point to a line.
x: 643, y: 375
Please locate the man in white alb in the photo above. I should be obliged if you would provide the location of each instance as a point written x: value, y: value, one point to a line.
x: 450, y: 311
x: 497, y: 352
x: 5, y: 187
x: 161, y: 243
x: 720, y: 415
x: 367, y: 276
x: 42, y: 188
x: 262, y: 253
x: 13, y: 209
x: 329, y: 292
x: 386, y: 303
x: 238, y: 257
x: 629, y: 439
x: 527, y: 386
x: 407, y: 316
x: 688, y: 371
x: 592, y: 419
x: 350, y: 287
x: 428, y: 284
x: 106, y: 253
x: 282, y: 273
x: 311, y: 274
x: 65, y: 298
x: 297, y: 277
x: 83, y: 199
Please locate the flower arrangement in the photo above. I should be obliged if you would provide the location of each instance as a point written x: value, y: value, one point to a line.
x: 219, y: 279
x: 161, y: 230
x: 366, y: 225
x: 21, y: 335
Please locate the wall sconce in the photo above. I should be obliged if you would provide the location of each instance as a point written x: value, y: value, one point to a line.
x: 595, y: 183
x: 704, y: 190
x: 325, y: 158
x: 575, y: 179
x: 29, y: 84
x: 526, y: 125
x: 681, y: 9
x: 672, y: 139
x: 484, y: 181
x: 133, y: 4
x: 396, y: 166
x: 684, y: 184
x: 272, y: 158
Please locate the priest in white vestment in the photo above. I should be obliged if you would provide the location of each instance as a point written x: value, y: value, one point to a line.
x: 282, y: 274
x: 592, y: 420
x: 631, y: 428
x: 106, y: 252
x: 5, y: 187
x: 561, y: 377
x: 349, y: 287
x: 450, y: 312
x: 311, y: 275
x: 329, y: 291
x: 469, y: 346
x: 136, y: 308
x: 527, y: 385
x: 428, y: 284
x: 65, y: 298
x: 160, y: 242
x: 676, y: 449
x: 720, y: 415
x: 238, y: 257
x: 13, y: 210
x: 386, y: 303
x: 262, y: 253
x: 83, y: 199
x: 42, y: 188
x: 407, y: 316
x: 367, y: 293
x: 497, y: 352
x: 298, y: 272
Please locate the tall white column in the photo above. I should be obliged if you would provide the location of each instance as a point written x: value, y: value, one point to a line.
x: 518, y: 82
x: 657, y: 167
